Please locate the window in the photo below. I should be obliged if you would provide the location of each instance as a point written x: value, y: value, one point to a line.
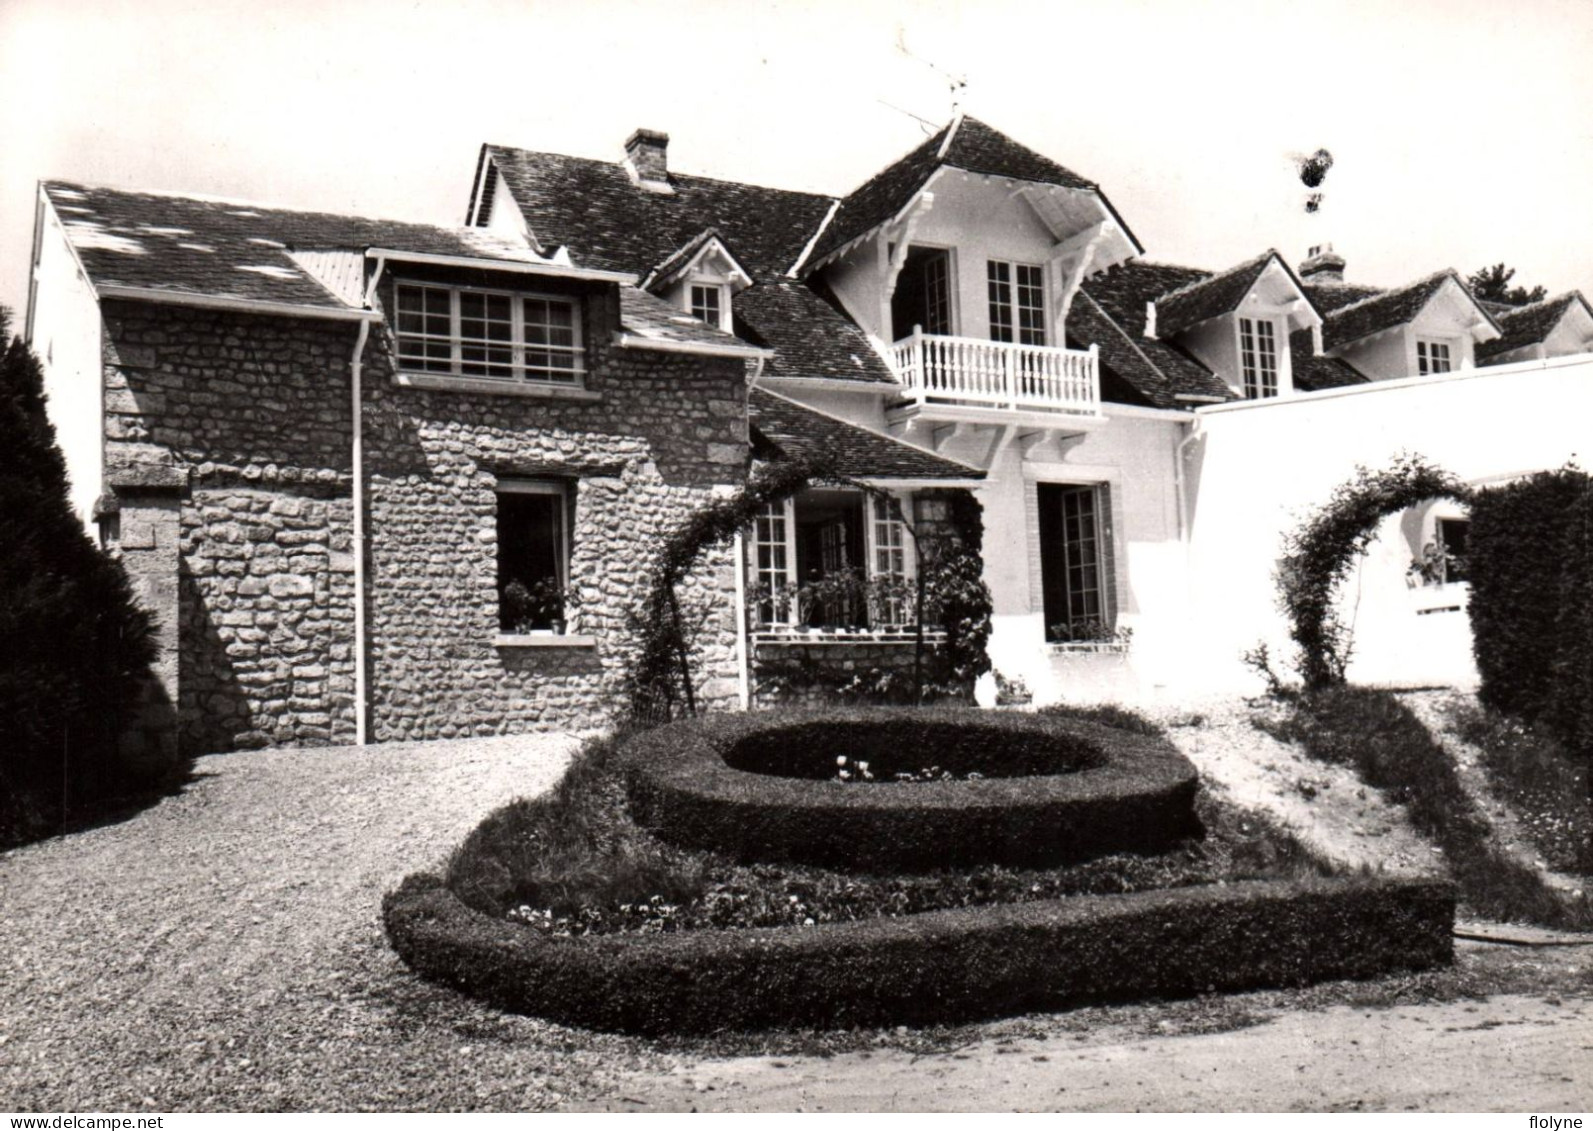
x: 922, y: 297
x: 534, y: 556
x: 707, y: 303
x: 497, y: 335
x: 1072, y: 563
x: 1432, y: 357
x: 1016, y: 289
x: 1258, y: 357
x: 833, y: 559
x: 1450, y: 535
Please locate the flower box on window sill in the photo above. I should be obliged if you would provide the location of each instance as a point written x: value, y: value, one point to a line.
x: 543, y: 638
x: 1087, y: 647
x: 806, y: 634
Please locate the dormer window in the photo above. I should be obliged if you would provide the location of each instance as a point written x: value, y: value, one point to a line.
x: 1258, y: 357
x: 1432, y: 357
x: 497, y: 335
x: 708, y: 303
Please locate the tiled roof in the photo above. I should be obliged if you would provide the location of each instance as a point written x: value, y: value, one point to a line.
x: 1328, y: 297
x: 227, y: 249
x: 1212, y: 296
x: 607, y: 220
x: 683, y: 255
x: 1382, y: 311
x: 1158, y: 369
x: 974, y: 146
x: 1528, y: 325
x: 784, y: 426
x: 1312, y: 372
x: 650, y: 318
x: 810, y: 337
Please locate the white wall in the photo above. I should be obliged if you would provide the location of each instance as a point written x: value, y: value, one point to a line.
x: 65, y: 334
x: 1260, y: 467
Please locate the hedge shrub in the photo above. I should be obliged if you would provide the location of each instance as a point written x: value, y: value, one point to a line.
x: 1530, y: 560
x: 1119, y: 792
x: 942, y: 966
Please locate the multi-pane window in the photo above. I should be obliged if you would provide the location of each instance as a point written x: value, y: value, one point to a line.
x: 771, y: 538
x: 1258, y: 357
x: 1074, y: 558
x: 494, y: 334
x: 533, y: 555
x: 1432, y: 357
x: 1081, y: 557
x: 1016, y: 294
x: 937, y: 294
x: 707, y: 303
x: 890, y: 560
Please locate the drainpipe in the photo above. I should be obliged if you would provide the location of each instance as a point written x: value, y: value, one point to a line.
x: 743, y: 667
x: 1180, y: 454
x: 356, y: 371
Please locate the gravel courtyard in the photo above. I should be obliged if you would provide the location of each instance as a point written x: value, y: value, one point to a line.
x: 222, y: 951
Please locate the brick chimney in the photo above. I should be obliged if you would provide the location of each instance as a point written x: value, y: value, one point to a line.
x: 648, y: 153
x: 1323, y: 265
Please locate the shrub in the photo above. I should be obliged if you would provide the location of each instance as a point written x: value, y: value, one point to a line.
x: 943, y: 966
x: 1376, y: 734
x: 75, y: 645
x: 1530, y: 561
x: 689, y: 783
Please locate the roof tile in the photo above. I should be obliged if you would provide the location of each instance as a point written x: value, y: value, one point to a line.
x: 793, y: 429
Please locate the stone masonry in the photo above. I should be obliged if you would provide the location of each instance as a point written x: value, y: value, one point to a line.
x: 250, y: 415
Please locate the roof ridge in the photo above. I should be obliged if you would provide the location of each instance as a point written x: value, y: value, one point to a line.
x: 672, y: 172
x: 242, y: 202
x: 1564, y: 296
x: 1411, y: 286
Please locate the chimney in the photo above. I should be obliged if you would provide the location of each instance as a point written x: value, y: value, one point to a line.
x: 647, y: 151
x: 1323, y: 265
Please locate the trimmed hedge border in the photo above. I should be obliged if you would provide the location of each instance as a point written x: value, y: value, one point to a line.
x: 1135, y: 793
x: 960, y: 965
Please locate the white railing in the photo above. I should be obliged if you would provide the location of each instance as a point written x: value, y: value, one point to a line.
x: 935, y: 368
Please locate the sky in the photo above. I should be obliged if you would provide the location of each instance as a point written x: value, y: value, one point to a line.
x: 1462, y: 131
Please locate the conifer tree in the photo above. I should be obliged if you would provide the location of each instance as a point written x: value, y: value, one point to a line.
x: 74, y: 646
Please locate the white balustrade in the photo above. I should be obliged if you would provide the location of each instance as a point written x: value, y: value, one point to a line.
x: 936, y: 368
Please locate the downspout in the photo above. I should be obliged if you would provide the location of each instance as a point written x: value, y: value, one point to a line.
x: 1180, y: 455
x: 743, y: 667
x: 357, y: 425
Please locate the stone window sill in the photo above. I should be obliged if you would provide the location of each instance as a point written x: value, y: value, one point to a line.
x: 796, y: 637
x: 543, y: 640
x: 1087, y: 648
x: 445, y: 384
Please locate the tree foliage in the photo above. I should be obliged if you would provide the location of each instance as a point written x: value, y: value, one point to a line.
x: 75, y: 645
x: 1492, y: 284
x: 1318, y: 556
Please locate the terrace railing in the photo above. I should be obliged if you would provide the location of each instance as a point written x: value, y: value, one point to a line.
x: 940, y: 369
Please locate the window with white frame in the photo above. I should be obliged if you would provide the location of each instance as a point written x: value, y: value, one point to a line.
x: 1016, y: 294
x: 497, y: 335
x: 534, y: 593
x: 1074, y: 563
x: 1258, y: 357
x: 1432, y: 357
x: 707, y: 302
x: 832, y: 559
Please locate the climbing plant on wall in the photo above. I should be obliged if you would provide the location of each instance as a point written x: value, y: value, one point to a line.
x: 1319, y: 554
x: 660, y: 684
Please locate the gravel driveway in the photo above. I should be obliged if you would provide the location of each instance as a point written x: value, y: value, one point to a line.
x: 222, y: 951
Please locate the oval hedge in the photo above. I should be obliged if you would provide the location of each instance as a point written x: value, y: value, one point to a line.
x: 1107, y: 790
x: 943, y: 966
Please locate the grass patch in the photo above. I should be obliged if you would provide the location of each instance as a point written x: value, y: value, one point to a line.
x: 1534, y: 774
x: 574, y: 863
x: 1374, y: 733
x: 1106, y: 715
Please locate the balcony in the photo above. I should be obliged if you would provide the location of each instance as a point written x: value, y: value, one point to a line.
x: 995, y: 379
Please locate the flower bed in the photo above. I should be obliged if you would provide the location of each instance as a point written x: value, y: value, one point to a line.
x: 941, y: 966
x: 1056, y: 790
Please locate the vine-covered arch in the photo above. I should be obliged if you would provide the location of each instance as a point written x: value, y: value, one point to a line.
x: 1318, y: 555
x: 660, y: 680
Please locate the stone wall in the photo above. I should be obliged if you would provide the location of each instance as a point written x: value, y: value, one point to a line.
x: 811, y: 675
x: 251, y: 414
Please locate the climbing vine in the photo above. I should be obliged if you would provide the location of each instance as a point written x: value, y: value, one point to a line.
x: 660, y: 684
x: 1318, y: 556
